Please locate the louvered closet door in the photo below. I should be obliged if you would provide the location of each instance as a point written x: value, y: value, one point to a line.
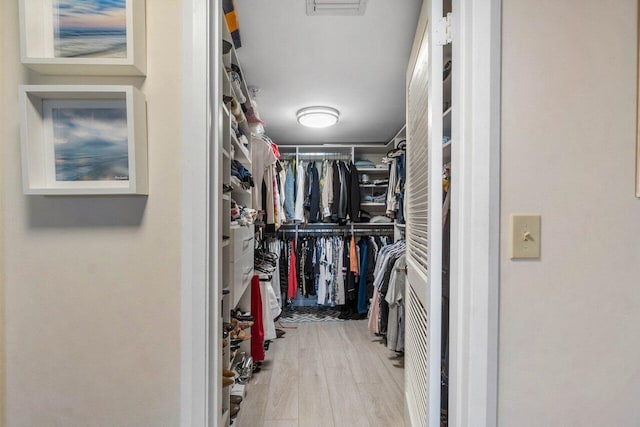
x: 424, y: 226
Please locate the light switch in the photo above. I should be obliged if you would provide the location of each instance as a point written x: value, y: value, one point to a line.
x: 525, y: 236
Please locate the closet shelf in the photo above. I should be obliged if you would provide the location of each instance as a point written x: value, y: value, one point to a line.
x: 374, y: 185
x: 447, y: 112
x: 226, y: 243
x: 245, y: 157
x: 372, y: 204
x: 385, y: 170
x: 225, y: 153
x: 240, y: 191
x: 226, y: 197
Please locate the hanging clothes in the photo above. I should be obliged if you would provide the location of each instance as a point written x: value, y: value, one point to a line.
x: 293, y: 276
x: 312, y: 193
x: 268, y: 298
x: 395, y: 300
x: 327, y: 189
x: 335, y: 204
x: 354, y: 193
x: 343, y: 205
x: 262, y: 157
x: 300, y: 186
x: 257, y: 330
x: 290, y: 193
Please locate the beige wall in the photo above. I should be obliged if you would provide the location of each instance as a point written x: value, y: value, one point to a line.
x: 570, y: 322
x: 93, y: 283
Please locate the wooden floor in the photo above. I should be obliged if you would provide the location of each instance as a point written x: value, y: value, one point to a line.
x: 326, y: 374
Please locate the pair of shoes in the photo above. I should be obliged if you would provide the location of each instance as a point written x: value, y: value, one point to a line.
x: 235, y: 408
x: 226, y: 382
x: 235, y: 399
x: 280, y: 333
x: 241, y: 324
x: 239, y: 315
x: 226, y: 188
x: 239, y: 335
x: 228, y: 373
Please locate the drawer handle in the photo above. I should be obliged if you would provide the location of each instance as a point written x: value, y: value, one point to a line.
x: 246, y: 242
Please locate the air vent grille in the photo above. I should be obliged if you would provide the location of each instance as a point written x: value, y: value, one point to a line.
x: 336, y: 7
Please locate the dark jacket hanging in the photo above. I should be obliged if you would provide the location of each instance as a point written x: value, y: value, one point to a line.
x: 344, y: 192
x: 335, y: 206
x: 354, y: 193
x: 314, y: 209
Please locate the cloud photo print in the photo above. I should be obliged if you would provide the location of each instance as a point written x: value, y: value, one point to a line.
x: 90, y: 144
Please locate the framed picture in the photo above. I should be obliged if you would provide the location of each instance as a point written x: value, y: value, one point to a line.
x: 83, y: 140
x: 97, y: 37
x: 89, y: 29
x: 86, y: 143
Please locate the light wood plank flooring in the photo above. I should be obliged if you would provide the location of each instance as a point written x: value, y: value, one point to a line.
x: 326, y: 374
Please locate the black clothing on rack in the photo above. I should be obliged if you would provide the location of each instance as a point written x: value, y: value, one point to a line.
x: 354, y: 193
x: 335, y: 170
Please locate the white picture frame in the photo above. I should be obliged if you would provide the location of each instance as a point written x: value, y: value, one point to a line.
x: 94, y: 48
x: 83, y: 140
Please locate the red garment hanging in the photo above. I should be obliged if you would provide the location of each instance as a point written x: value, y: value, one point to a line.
x: 257, y: 330
x: 293, y: 277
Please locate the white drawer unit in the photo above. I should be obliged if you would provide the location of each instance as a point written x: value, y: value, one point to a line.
x: 242, y: 241
x: 242, y: 273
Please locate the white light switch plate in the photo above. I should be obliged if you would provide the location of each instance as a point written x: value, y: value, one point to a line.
x: 525, y: 236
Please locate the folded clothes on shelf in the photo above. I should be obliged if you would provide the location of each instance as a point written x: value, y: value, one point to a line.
x: 380, y: 199
x: 381, y: 181
x: 380, y: 219
x: 242, y: 173
x: 367, y: 198
x: 364, y: 163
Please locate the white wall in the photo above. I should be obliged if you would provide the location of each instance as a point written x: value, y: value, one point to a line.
x: 570, y: 322
x: 93, y: 283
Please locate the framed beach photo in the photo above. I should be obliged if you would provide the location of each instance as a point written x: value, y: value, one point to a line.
x: 83, y: 140
x: 89, y: 29
x: 84, y: 37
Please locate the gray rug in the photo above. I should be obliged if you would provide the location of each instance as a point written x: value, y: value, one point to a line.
x: 310, y: 314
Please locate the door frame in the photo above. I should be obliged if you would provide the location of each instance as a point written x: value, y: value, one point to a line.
x: 475, y: 227
x: 475, y: 214
x: 195, y: 310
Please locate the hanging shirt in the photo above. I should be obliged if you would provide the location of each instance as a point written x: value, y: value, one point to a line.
x: 327, y: 189
x: 395, y: 299
x: 290, y: 193
x: 261, y: 157
x: 300, y: 183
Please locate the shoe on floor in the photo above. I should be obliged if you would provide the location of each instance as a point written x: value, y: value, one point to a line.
x: 226, y: 382
x: 235, y: 399
x: 235, y: 408
x: 227, y: 373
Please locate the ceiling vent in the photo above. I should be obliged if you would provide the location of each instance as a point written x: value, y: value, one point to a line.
x: 336, y: 7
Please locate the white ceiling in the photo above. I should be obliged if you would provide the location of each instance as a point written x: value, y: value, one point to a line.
x: 356, y: 64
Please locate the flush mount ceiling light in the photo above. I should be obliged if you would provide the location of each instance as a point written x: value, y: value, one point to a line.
x: 318, y: 117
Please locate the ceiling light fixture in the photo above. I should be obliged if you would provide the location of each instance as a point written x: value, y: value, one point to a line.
x: 318, y: 117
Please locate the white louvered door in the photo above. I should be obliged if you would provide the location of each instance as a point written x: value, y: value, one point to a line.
x: 424, y: 224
